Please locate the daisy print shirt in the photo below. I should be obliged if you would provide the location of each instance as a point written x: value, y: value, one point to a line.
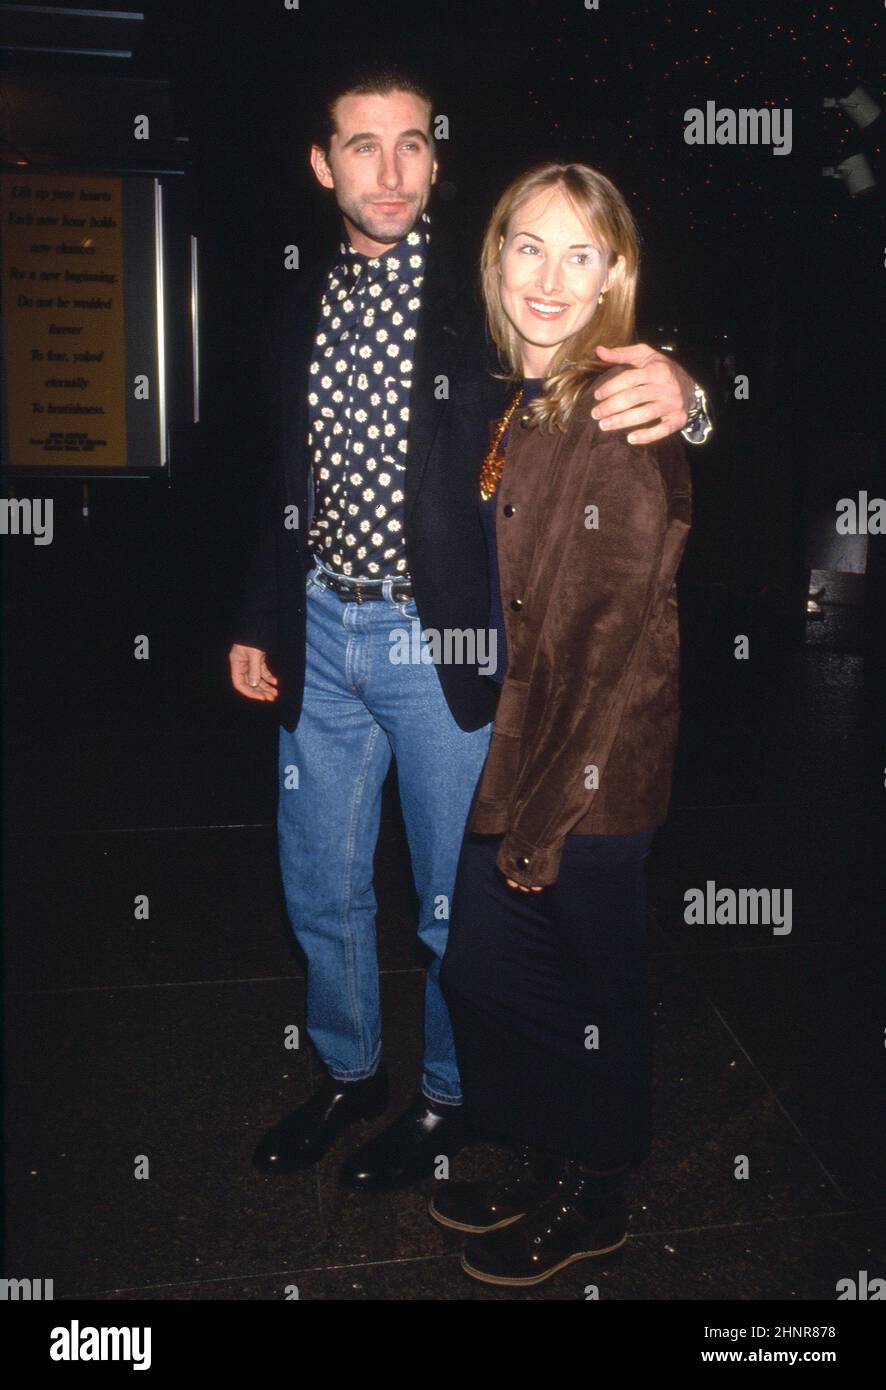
x: 358, y: 401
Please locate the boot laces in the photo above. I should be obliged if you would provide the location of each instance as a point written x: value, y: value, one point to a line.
x: 520, y: 1171
x: 552, y: 1212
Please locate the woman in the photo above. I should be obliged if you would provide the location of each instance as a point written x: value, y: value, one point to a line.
x: 545, y: 968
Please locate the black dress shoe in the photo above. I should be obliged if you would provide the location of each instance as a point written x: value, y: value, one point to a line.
x: 303, y: 1137
x: 489, y: 1206
x: 407, y: 1150
x: 565, y: 1227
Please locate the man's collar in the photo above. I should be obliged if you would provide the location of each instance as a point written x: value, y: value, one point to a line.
x: 403, y: 260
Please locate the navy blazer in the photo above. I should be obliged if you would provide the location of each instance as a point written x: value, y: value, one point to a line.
x: 454, y: 400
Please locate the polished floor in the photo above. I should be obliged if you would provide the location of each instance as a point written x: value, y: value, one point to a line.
x: 158, y: 1040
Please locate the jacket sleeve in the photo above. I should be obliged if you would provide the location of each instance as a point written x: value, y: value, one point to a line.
x: 254, y: 622
x: 598, y: 604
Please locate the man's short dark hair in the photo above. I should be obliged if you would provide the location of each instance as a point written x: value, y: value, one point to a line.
x: 373, y: 79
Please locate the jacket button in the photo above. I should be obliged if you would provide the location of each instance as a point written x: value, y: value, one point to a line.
x: 524, y: 420
x: 508, y: 509
x: 523, y: 862
x: 516, y: 604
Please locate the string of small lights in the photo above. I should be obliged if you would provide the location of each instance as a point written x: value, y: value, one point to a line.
x: 639, y: 76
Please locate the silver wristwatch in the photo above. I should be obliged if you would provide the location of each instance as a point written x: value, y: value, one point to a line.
x: 698, y: 426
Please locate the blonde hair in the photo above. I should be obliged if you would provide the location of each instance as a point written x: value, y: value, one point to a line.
x: 600, y: 205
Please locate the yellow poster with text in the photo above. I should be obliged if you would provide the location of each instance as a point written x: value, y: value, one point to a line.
x: 63, y: 320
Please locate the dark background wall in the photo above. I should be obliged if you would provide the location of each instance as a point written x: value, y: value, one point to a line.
x: 745, y: 253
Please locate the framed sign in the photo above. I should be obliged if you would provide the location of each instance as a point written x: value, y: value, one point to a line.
x: 83, y: 319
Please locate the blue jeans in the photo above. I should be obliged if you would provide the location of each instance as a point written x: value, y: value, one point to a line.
x: 360, y: 707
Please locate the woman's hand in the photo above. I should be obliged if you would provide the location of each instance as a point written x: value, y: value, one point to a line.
x: 511, y: 884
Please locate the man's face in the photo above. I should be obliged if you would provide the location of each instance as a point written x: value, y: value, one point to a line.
x: 380, y: 164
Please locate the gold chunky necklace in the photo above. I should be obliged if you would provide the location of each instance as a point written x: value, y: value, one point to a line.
x: 494, y: 461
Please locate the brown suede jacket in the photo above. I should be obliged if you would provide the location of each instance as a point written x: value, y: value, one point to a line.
x: 590, y: 531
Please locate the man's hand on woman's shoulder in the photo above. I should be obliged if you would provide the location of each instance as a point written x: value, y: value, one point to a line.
x: 652, y: 387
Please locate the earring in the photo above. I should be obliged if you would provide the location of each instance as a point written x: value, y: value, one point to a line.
x: 602, y: 297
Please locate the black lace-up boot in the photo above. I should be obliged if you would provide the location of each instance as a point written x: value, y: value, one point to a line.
x: 584, y: 1217
x: 489, y: 1206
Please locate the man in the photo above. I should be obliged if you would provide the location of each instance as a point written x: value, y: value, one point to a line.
x: 379, y: 400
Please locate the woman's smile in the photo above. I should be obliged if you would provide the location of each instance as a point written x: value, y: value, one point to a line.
x: 546, y: 308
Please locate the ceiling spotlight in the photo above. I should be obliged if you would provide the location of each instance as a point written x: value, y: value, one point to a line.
x: 859, y: 106
x: 856, y: 173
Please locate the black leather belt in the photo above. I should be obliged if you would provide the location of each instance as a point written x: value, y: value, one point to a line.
x: 349, y: 592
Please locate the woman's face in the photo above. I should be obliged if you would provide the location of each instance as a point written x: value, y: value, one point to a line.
x: 553, y: 270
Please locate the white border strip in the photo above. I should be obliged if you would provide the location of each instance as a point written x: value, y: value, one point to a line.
x: 161, y: 318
